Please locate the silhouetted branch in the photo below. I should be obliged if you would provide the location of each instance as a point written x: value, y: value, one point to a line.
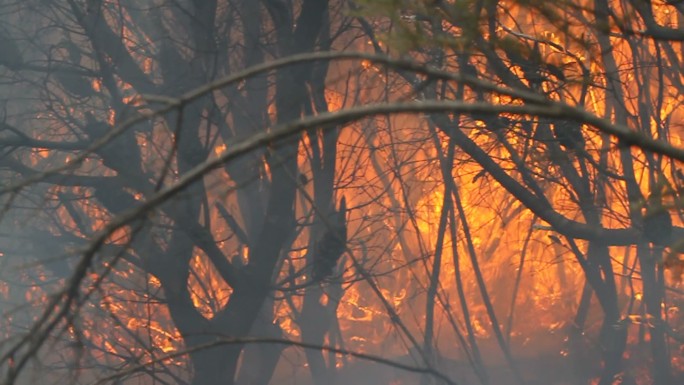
x: 243, y: 341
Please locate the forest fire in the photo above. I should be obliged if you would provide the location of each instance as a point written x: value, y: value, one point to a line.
x: 332, y: 192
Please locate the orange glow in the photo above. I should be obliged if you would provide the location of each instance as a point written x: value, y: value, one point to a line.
x: 208, y: 291
x: 389, y: 170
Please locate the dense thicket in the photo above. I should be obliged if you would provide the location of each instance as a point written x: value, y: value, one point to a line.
x: 218, y: 192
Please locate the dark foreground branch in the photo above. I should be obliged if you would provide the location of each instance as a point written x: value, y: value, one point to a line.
x: 242, y: 341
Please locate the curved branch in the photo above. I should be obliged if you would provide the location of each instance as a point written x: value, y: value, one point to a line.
x: 241, y: 341
x: 544, y: 107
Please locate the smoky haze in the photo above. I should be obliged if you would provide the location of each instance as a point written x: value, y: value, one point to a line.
x: 329, y: 192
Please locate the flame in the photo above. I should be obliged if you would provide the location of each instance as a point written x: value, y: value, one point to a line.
x: 218, y: 150
x: 335, y: 100
x: 209, y: 293
x: 96, y: 84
